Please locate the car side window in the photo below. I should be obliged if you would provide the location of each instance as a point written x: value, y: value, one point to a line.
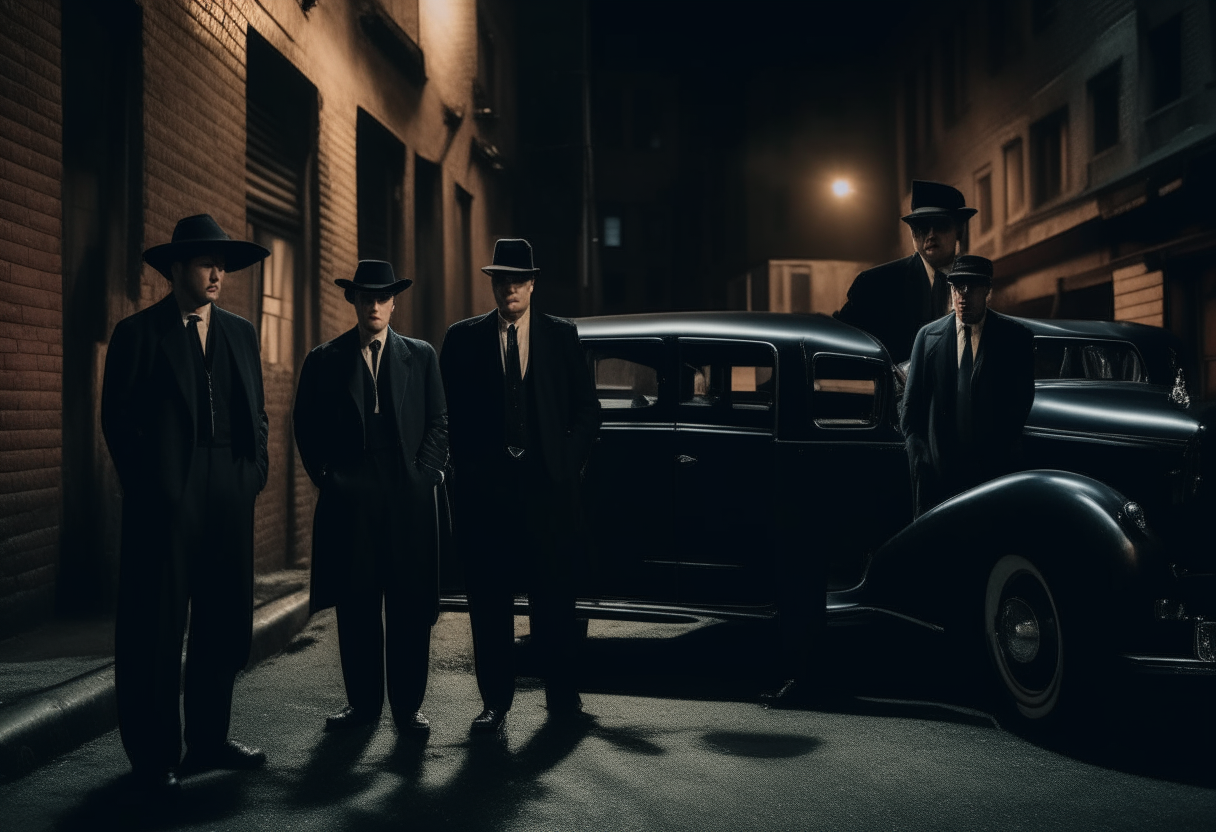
x: 845, y: 392
x: 1075, y: 358
x: 727, y: 383
x: 627, y: 378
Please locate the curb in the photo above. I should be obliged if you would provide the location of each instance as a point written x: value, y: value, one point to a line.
x: 38, y: 728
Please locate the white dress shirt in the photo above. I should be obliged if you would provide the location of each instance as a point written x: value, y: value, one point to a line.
x: 522, y: 329
x: 977, y: 329
x: 205, y: 314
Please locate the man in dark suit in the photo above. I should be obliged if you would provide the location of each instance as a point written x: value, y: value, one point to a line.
x: 893, y: 301
x: 371, y: 426
x: 523, y: 415
x: 970, y: 388
x: 182, y: 413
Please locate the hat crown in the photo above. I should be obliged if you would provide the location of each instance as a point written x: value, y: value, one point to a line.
x: 374, y: 274
x: 936, y: 195
x: 970, y: 267
x: 200, y: 228
x: 513, y: 253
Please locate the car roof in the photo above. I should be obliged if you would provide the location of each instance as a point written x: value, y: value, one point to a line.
x: 822, y: 332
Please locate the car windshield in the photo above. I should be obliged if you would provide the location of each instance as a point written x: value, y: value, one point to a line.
x: 1076, y: 358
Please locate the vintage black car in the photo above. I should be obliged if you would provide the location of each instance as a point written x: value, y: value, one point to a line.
x: 735, y: 444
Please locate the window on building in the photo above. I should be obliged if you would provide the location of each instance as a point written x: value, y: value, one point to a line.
x: 485, y: 85
x: 910, y: 132
x: 954, y: 71
x: 983, y: 199
x: 465, y: 272
x: 379, y: 184
x: 1048, y: 157
x: 1043, y: 14
x: 1165, y: 62
x: 1104, y: 108
x: 1015, y: 193
x: 800, y: 291
x: 612, y: 232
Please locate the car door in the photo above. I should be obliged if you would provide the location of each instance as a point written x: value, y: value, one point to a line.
x: 724, y: 465
x: 628, y: 485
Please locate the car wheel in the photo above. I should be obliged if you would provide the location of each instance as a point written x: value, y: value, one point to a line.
x: 1024, y: 637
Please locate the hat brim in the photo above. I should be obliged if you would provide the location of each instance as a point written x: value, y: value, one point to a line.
x: 930, y: 213
x: 391, y: 288
x: 510, y: 270
x: 966, y: 277
x: 238, y: 254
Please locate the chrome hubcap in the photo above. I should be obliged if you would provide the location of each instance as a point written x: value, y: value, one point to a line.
x: 1019, y: 630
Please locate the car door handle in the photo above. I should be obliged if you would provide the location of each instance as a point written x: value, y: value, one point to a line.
x: 685, y: 459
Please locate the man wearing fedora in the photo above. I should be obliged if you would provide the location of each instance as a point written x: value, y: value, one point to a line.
x: 183, y: 416
x: 371, y: 426
x: 893, y: 301
x: 523, y: 414
x: 970, y: 388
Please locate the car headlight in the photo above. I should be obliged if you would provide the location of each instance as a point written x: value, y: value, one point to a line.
x: 1133, y: 515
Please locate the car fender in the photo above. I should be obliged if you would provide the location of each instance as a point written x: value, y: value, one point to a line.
x: 1083, y: 534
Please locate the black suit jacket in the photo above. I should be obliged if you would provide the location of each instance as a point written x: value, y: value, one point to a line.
x: 568, y: 410
x: 891, y: 302
x: 1002, y: 392
x: 149, y: 407
x: 329, y: 429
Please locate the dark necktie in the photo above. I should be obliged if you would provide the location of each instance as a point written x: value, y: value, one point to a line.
x: 963, y: 398
x: 374, y: 346
x: 206, y: 417
x: 941, y: 295
x: 515, y: 430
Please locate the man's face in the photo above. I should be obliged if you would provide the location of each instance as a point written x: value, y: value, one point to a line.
x: 512, y: 296
x: 373, y: 310
x: 936, y: 241
x: 197, y: 281
x: 970, y: 300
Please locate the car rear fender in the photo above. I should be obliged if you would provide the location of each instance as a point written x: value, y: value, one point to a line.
x: 1083, y: 535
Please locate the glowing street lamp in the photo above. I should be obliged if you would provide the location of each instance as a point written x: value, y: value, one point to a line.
x: 842, y: 187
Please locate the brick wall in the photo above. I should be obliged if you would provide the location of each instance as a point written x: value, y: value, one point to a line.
x: 31, y: 326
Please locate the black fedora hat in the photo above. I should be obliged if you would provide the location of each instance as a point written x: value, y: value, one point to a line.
x: 933, y: 200
x: 201, y: 234
x: 970, y: 268
x: 375, y: 276
x: 512, y: 256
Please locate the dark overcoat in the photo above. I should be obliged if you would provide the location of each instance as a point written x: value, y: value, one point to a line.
x: 891, y: 302
x: 329, y: 429
x: 1002, y: 392
x: 568, y: 410
x: 149, y: 419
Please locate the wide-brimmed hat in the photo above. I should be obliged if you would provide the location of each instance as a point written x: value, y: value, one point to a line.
x: 512, y: 258
x: 375, y: 276
x: 970, y: 268
x: 933, y: 200
x: 201, y: 234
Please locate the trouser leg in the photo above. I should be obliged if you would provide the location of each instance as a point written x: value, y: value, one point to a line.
x: 407, y: 655
x: 149, y: 625
x: 491, y: 615
x: 361, y: 647
x: 221, y: 601
x: 551, y: 608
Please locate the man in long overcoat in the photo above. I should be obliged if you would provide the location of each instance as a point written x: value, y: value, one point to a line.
x: 523, y: 413
x: 970, y: 389
x: 893, y: 301
x: 371, y: 427
x: 183, y: 416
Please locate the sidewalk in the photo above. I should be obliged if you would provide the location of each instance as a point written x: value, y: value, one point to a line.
x: 57, y: 682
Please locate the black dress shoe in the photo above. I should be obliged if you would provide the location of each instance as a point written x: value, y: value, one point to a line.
x: 348, y: 718
x: 157, y: 784
x: 415, y: 723
x: 489, y: 720
x: 229, y: 755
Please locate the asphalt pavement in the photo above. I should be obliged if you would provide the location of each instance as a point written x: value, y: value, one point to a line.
x: 674, y: 740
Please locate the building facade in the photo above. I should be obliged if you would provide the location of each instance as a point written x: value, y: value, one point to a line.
x: 329, y: 132
x: 1083, y: 131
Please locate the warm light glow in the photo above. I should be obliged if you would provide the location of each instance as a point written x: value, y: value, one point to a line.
x: 842, y: 187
